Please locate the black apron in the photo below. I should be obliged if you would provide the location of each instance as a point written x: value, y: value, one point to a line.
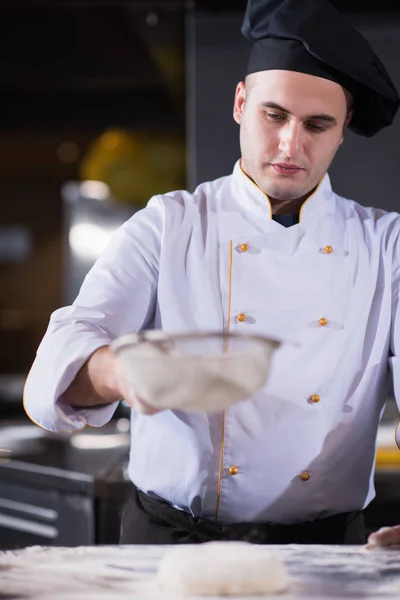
x: 147, y: 520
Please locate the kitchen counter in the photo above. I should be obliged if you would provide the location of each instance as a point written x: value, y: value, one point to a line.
x: 129, y: 572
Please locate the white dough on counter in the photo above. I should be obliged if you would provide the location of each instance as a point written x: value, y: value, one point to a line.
x: 222, y: 568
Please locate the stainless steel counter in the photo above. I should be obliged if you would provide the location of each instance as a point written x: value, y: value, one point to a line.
x: 129, y: 572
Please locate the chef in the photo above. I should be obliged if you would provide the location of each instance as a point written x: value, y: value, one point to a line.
x: 270, y: 249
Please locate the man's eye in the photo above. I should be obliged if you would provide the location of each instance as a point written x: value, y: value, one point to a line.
x: 315, y: 127
x: 275, y: 117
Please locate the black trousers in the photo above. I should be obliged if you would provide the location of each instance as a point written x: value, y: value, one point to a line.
x: 147, y: 520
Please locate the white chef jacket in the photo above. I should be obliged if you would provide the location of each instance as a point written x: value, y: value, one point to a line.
x: 304, y: 446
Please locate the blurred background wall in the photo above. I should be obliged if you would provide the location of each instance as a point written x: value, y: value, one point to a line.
x: 89, y: 92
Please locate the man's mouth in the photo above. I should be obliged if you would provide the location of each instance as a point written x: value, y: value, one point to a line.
x: 286, y: 169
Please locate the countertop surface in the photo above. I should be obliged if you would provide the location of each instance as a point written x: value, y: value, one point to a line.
x: 129, y: 572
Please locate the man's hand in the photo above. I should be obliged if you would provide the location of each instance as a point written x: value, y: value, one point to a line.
x: 386, y: 536
x: 102, y: 381
x: 126, y: 393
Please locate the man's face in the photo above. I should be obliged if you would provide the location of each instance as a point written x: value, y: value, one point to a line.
x: 291, y: 125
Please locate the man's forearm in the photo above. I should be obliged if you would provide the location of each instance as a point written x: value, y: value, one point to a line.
x: 96, y: 383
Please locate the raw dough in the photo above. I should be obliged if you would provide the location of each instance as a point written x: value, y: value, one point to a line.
x: 222, y: 568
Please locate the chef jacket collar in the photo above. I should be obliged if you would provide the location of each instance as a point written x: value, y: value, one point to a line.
x: 252, y: 197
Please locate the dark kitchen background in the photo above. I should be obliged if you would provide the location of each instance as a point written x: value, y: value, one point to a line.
x: 102, y: 105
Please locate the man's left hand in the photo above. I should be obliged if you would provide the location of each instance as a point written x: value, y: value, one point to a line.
x: 386, y: 536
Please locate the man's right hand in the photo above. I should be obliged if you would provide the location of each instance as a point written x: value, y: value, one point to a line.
x: 130, y: 398
x: 101, y: 381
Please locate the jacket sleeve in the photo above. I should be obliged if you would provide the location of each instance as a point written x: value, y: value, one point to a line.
x: 117, y: 297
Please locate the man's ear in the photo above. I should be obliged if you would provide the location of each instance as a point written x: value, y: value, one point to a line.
x: 240, y: 99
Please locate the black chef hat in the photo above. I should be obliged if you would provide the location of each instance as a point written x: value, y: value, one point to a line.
x: 311, y: 36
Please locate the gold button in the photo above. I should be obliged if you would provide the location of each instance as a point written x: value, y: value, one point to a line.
x: 233, y: 470
x: 323, y: 322
x: 243, y: 247
x: 241, y: 317
x: 328, y: 249
x: 315, y: 398
x: 305, y: 476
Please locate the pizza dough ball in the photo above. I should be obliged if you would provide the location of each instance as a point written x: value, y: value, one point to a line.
x: 222, y: 568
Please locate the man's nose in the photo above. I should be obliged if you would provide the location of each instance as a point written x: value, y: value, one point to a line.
x: 290, y: 139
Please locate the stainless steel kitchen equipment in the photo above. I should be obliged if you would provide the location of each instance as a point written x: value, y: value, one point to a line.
x: 62, y: 489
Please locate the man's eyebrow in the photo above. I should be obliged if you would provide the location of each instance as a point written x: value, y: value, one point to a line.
x: 320, y: 117
x: 276, y: 107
